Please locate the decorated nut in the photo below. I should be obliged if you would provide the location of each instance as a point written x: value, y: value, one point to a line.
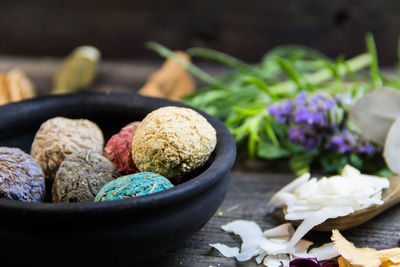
x: 133, y: 185
x: 20, y: 176
x: 119, y: 149
x: 81, y: 176
x: 60, y: 137
x: 172, y: 141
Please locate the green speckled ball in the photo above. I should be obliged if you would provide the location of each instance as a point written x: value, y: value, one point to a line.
x: 133, y: 185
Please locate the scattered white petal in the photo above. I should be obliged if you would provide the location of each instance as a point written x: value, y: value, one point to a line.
x: 225, y: 250
x: 276, y: 201
x: 324, y: 252
x: 283, y: 230
x: 301, y: 248
x: 316, y: 200
x: 251, y: 236
x: 350, y: 171
x: 272, y: 261
x: 261, y: 257
x: 272, y: 247
x: 317, y: 218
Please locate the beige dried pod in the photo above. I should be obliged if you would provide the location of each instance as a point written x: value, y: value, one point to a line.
x: 15, y: 86
x: 59, y: 137
x: 172, y: 141
x: 4, y: 97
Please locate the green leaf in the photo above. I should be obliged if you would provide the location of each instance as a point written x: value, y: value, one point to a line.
x: 300, y: 163
x: 332, y: 161
x: 385, y: 173
x: 356, y: 161
x: 271, y: 134
x: 218, y: 57
x: 253, y: 111
x: 268, y: 150
x: 290, y: 72
x: 260, y: 84
x: 371, y: 47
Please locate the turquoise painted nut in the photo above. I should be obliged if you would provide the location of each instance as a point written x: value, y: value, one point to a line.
x: 133, y: 185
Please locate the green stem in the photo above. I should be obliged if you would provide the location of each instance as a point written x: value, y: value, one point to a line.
x: 323, y: 75
x: 195, y: 71
x: 371, y: 48
x: 218, y: 57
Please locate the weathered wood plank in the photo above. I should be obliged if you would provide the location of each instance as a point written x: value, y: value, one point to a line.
x: 245, y: 29
x: 247, y: 199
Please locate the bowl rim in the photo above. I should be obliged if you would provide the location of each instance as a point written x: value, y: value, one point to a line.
x: 225, y: 154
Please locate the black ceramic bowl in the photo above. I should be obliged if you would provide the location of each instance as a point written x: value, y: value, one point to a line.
x: 113, y: 232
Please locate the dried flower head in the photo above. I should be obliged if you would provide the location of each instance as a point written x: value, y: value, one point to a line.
x: 172, y: 141
x: 367, y: 257
x: 59, y: 137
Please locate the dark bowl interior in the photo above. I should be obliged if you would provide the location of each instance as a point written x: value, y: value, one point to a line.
x: 118, y: 232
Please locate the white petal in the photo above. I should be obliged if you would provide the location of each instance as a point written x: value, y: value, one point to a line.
x: 251, y: 236
x: 302, y: 246
x: 272, y: 247
x: 275, y: 201
x: 272, y: 261
x: 225, y: 250
x: 316, y: 218
x: 280, y: 200
x: 261, y: 257
x: 282, y: 230
x: 350, y: 171
x: 298, y: 215
x: 324, y: 252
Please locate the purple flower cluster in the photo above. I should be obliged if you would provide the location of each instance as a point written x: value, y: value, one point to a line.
x: 308, y: 118
x: 347, y: 142
x: 311, y: 126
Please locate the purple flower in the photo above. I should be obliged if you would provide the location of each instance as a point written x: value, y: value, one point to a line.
x: 311, y: 262
x: 310, y: 143
x: 281, y: 112
x: 347, y: 142
x: 304, y: 115
x: 367, y: 149
x: 310, y: 124
x: 304, y: 262
x: 301, y: 98
x: 321, y: 103
x: 339, y: 143
x: 296, y: 134
x: 304, y: 135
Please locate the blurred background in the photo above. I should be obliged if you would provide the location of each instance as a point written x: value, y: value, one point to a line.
x: 245, y: 29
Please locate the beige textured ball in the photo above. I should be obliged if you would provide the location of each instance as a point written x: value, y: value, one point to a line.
x: 172, y: 141
x: 59, y: 137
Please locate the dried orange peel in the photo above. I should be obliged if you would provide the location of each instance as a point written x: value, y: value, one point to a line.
x: 367, y: 257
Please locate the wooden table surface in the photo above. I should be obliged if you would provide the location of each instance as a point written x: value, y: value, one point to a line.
x: 252, y: 182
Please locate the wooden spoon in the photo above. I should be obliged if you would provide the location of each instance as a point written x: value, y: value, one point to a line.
x: 390, y: 197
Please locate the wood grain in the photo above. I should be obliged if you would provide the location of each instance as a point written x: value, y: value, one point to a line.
x: 245, y: 29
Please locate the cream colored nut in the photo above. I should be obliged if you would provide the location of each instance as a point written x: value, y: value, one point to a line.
x: 4, y: 97
x: 59, y: 137
x: 19, y: 86
x: 15, y: 86
x: 172, y: 141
